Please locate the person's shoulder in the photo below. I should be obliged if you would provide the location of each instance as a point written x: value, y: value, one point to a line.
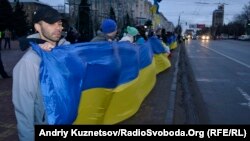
x: 29, y: 61
x: 31, y: 56
x: 127, y: 38
x: 35, y: 35
x: 24, y: 42
x: 140, y: 40
x: 63, y: 41
x: 29, y: 64
x: 98, y: 38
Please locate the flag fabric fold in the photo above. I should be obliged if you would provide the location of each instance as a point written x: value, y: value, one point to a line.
x: 97, y: 82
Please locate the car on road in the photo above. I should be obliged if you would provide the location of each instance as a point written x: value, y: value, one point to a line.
x: 244, y: 37
x: 205, y: 37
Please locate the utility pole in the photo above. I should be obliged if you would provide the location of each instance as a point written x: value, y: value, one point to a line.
x: 179, y: 20
x: 179, y: 24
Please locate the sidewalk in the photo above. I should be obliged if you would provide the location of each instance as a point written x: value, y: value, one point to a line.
x: 10, y: 57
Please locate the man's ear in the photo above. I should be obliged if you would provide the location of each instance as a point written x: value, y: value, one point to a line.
x: 37, y: 27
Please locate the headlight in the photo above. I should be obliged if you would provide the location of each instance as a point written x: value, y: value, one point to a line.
x: 205, y: 37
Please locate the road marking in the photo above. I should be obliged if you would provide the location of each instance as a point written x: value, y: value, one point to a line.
x: 246, y: 96
x: 201, y: 57
x: 233, y: 59
x: 212, y: 80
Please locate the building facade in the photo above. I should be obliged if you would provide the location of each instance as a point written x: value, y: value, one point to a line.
x: 217, y: 21
x: 133, y: 12
x: 164, y: 23
x: 218, y: 16
x: 141, y: 10
x: 29, y: 6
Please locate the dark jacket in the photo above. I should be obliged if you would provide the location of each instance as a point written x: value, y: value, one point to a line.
x: 2, y: 71
x: 100, y: 37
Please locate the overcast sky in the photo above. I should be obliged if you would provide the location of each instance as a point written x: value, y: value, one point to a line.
x: 192, y: 12
x: 53, y: 2
x: 189, y: 10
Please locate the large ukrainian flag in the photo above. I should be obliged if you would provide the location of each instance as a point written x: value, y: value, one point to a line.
x: 98, y: 83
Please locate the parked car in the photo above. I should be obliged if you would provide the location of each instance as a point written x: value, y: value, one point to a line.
x: 244, y: 37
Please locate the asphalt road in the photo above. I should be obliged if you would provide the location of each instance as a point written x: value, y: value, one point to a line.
x: 221, y: 70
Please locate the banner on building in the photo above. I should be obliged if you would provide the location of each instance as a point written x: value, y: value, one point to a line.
x: 200, y: 26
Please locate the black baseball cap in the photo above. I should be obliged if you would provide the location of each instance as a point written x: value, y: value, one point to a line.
x: 46, y: 14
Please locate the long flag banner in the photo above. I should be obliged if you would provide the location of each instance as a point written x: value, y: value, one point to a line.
x: 98, y: 82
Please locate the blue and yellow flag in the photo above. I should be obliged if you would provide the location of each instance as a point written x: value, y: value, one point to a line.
x: 98, y: 82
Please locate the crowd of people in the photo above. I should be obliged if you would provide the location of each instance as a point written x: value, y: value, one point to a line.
x: 27, y: 98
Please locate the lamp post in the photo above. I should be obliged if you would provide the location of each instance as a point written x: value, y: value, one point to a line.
x: 180, y: 17
x: 179, y: 26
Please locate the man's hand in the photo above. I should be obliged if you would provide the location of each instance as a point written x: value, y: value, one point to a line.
x: 47, y: 46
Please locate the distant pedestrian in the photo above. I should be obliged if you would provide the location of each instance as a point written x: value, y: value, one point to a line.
x: 1, y: 37
x: 130, y: 35
x: 164, y: 35
x: 72, y: 35
x: 7, y: 37
x: 2, y: 71
x: 142, y: 36
x: 108, y: 31
x: 26, y: 90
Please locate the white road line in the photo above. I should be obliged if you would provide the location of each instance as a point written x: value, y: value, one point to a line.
x: 245, y: 95
x: 212, y: 80
x: 233, y: 59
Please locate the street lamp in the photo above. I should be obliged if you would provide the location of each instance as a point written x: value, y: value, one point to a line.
x: 180, y: 17
x: 179, y: 26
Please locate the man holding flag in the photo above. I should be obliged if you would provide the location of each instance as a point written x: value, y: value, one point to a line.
x: 27, y: 98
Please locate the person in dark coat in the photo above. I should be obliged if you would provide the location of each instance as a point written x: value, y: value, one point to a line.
x: 2, y: 71
x: 108, y: 31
